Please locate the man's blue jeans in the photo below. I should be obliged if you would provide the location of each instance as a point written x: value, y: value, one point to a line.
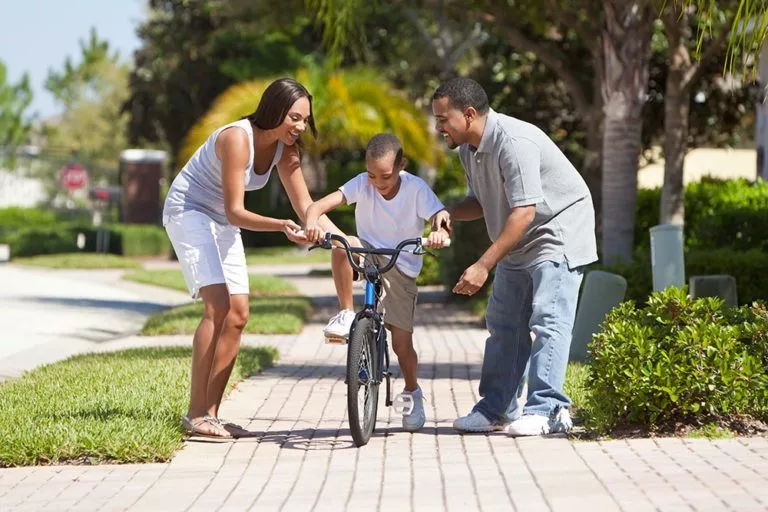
x: 541, y: 299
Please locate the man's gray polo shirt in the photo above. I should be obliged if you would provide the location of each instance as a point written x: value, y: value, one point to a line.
x: 517, y: 164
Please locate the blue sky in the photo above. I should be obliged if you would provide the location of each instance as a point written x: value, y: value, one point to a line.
x: 36, y: 35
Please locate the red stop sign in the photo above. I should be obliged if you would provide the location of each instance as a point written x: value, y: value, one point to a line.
x: 73, y: 176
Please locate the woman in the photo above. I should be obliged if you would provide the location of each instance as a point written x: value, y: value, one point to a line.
x: 203, y: 214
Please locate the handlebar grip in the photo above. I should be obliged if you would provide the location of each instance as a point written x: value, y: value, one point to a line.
x: 446, y: 244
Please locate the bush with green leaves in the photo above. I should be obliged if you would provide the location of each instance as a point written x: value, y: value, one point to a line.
x: 124, y: 239
x: 677, y: 361
x: 718, y: 214
x: 747, y: 267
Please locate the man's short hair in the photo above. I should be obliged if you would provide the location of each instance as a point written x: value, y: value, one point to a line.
x: 383, y: 144
x: 463, y: 93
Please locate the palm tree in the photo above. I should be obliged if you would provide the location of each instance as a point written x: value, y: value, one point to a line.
x: 350, y: 106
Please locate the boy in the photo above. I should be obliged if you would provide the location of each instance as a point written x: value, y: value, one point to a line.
x: 392, y: 205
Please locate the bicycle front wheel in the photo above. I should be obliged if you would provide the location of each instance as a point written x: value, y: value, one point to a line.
x: 362, y: 391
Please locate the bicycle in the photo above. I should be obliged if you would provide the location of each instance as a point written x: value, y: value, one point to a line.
x: 368, y: 338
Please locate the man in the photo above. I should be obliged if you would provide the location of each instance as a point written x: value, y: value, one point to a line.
x: 540, y: 218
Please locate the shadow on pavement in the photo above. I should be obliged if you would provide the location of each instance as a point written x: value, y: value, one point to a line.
x: 122, y: 305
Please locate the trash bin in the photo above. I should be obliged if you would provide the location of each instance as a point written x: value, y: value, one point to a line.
x: 141, y: 172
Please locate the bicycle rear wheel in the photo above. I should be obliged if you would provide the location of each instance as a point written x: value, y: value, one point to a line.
x: 362, y: 391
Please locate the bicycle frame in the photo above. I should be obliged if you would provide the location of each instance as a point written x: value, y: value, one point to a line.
x: 372, y: 275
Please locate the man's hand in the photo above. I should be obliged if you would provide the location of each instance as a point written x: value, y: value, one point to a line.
x: 291, y: 231
x: 442, y: 219
x: 473, y: 278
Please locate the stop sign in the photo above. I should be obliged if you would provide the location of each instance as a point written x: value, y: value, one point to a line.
x: 73, y: 176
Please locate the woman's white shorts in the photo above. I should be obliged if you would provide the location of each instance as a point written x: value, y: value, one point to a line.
x: 209, y: 253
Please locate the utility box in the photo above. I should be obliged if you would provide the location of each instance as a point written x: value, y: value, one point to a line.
x: 141, y: 175
x: 667, y: 261
x: 602, y: 292
x: 723, y: 286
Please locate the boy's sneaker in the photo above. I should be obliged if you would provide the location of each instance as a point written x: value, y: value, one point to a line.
x: 338, y: 326
x: 538, y: 425
x: 411, y: 405
x: 476, y: 422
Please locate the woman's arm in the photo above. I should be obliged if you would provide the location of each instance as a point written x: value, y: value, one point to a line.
x: 289, y: 169
x: 232, y: 148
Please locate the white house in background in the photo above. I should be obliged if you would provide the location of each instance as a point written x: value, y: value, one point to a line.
x: 19, y: 190
x: 700, y: 162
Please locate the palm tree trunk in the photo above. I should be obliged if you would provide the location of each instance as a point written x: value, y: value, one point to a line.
x: 627, y: 51
x: 676, y: 110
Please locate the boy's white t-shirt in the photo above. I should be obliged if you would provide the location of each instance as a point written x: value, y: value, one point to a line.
x: 385, y: 223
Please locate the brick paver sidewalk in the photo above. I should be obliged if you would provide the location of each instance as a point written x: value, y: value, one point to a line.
x: 302, y: 456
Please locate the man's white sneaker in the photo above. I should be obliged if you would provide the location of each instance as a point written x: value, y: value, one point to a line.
x: 476, y: 422
x: 338, y: 326
x: 538, y: 425
x: 411, y: 405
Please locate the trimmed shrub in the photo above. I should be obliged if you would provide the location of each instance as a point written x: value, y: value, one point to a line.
x: 676, y: 361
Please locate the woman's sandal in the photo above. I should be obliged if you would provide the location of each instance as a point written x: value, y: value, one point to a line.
x: 207, y: 428
x: 234, y: 429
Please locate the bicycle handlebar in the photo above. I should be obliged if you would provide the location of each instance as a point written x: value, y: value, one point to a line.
x: 394, y: 253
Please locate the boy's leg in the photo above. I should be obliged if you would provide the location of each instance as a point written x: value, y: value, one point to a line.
x: 339, y: 325
x: 343, y: 274
x: 402, y: 344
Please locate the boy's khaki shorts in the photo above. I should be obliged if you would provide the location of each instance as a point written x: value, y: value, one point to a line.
x: 399, y: 293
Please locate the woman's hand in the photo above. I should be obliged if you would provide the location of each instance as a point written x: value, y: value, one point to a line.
x: 292, y: 232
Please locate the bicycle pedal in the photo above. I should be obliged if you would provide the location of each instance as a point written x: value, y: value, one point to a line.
x: 336, y: 340
x: 403, y: 404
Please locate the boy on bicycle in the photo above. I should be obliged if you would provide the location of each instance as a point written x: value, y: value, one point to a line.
x: 392, y: 205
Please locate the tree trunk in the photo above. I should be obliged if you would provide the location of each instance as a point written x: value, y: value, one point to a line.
x: 592, y: 167
x: 627, y: 51
x: 676, y: 110
x: 761, y: 107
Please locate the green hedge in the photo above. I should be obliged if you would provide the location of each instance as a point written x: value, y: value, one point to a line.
x: 749, y: 268
x: 718, y: 213
x: 676, y: 362
x: 126, y: 240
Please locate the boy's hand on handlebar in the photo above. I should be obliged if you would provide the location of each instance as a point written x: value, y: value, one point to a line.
x: 437, y: 239
x: 314, y: 233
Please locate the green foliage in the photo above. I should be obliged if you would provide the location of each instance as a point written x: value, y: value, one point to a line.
x: 15, y: 218
x: 120, y: 407
x: 138, y: 240
x: 747, y: 267
x: 676, y: 360
x: 14, y: 102
x: 91, y: 91
x: 127, y: 240
x: 718, y: 213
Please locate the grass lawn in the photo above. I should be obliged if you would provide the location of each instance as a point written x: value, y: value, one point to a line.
x: 116, y: 407
x: 286, y: 255
x: 77, y: 260
x: 269, y: 315
x: 260, y: 284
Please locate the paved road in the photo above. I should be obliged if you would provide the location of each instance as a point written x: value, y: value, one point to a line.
x: 49, y: 315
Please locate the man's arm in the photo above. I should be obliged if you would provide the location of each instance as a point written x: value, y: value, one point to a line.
x: 468, y: 209
x: 515, y: 227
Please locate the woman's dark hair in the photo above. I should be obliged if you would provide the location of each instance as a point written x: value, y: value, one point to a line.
x: 275, y: 103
